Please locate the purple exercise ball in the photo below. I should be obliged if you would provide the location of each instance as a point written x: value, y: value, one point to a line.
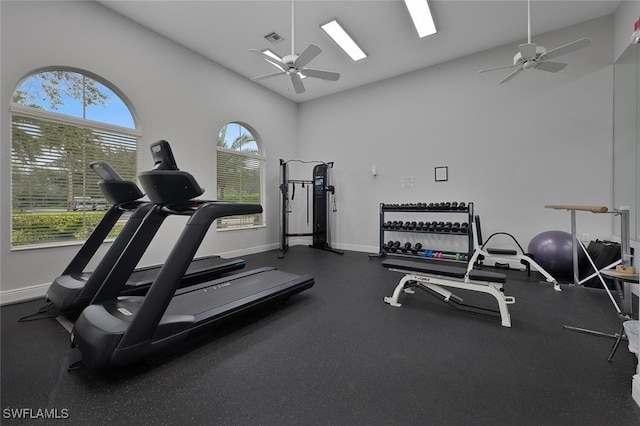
x: 553, y: 250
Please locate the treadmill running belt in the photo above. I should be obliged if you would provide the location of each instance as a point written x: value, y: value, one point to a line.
x: 223, y: 295
x: 201, y: 267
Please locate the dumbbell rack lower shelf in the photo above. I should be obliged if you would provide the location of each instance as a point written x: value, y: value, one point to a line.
x: 426, y: 210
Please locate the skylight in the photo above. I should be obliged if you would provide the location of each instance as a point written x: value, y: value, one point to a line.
x: 342, y: 39
x: 421, y: 16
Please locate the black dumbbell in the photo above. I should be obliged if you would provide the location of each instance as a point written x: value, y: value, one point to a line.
x: 462, y: 206
x: 455, y: 227
x: 406, y: 247
x: 415, y: 249
x: 464, y: 228
x: 447, y: 227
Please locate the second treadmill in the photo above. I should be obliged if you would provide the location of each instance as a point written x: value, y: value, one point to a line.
x: 74, y: 289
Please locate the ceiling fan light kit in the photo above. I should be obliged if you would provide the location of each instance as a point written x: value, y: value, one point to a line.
x: 532, y: 56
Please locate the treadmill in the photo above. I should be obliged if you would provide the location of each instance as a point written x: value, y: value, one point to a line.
x: 73, y: 290
x: 118, y: 330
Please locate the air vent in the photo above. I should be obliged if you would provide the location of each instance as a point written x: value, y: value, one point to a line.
x: 273, y: 38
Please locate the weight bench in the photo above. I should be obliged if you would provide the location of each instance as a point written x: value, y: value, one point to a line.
x: 432, y: 278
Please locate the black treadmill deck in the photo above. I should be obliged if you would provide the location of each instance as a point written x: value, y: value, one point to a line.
x: 103, y: 326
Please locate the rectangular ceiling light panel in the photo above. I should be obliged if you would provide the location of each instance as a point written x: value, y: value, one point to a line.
x: 340, y: 36
x: 421, y: 16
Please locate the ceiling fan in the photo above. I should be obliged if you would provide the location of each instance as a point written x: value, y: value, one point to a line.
x: 532, y: 56
x: 295, y: 65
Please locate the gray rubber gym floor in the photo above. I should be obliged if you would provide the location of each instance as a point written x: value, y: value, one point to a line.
x: 338, y: 355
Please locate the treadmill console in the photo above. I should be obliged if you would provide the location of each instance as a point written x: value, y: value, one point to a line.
x: 163, y: 156
x: 104, y: 170
x: 165, y: 183
x: 115, y: 189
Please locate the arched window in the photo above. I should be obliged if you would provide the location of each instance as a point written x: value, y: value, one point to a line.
x: 62, y: 120
x: 240, y: 167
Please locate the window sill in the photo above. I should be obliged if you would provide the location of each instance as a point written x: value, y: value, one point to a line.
x: 243, y: 228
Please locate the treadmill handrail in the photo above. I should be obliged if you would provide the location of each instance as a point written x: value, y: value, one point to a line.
x: 125, y: 256
x: 95, y: 240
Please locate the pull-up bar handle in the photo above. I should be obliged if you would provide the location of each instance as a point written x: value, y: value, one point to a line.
x: 592, y: 209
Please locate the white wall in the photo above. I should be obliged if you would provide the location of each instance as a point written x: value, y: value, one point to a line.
x: 177, y: 95
x: 625, y: 16
x: 512, y: 148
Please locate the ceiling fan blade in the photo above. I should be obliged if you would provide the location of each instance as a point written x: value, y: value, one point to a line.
x: 550, y: 66
x: 307, y: 55
x: 296, y: 80
x: 567, y: 48
x: 510, y: 76
x: 528, y: 50
x: 324, y: 75
x: 274, y: 61
x: 264, y: 77
x: 498, y: 68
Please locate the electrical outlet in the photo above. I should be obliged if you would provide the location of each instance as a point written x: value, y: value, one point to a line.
x: 585, y: 237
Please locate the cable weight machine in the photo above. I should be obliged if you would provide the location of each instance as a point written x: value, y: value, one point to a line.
x: 323, y: 194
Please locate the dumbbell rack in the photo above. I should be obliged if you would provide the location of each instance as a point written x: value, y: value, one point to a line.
x: 428, y: 209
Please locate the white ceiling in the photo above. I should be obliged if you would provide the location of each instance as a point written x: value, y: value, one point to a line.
x: 224, y: 31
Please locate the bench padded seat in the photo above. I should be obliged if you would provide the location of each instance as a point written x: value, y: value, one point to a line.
x: 499, y: 251
x: 444, y: 270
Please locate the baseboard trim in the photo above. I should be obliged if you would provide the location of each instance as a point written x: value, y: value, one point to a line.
x: 18, y: 295
x: 246, y: 252
x: 356, y: 247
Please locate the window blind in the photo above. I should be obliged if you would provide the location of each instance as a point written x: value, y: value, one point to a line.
x: 239, y: 179
x: 55, y: 196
